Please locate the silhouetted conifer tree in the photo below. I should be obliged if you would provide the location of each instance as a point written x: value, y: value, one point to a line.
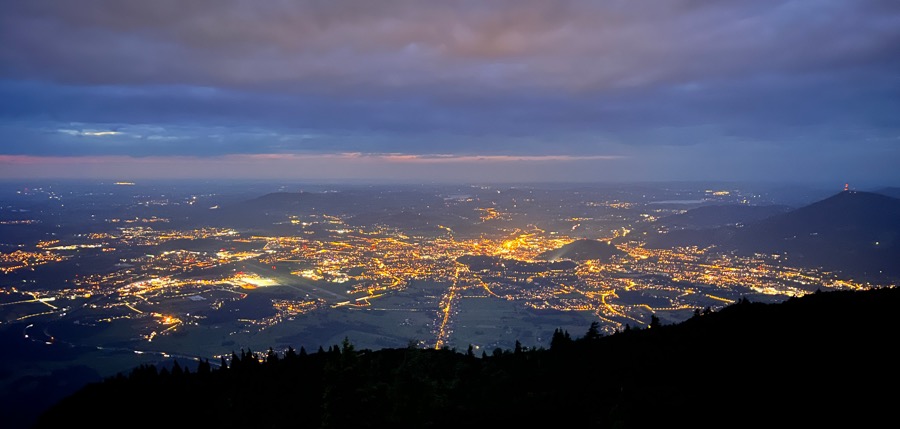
x: 654, y: 321
x: 271, y: 356
x: 346, y: 346
x: 290, y: 354
x: 176, y: 369
x: 560, y: 340
x: 236, y: 360
x: 203, y: 367
x: 593, y: 333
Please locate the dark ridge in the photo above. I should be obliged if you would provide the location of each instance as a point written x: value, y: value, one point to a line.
x: 826, y: 358
x: 584, y: 249
x: 721, y: 215
x: 347, y: 201
x: 890, y: 191
x: 416, y: 210
x: 849, y: 209
x: 854, y: 232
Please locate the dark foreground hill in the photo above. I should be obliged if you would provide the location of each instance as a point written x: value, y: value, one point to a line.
x: 824, y: 358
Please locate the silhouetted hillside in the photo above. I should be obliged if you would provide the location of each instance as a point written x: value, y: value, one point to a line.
x: 826, y: 358
x: 891, y: 191
x: 580, y: 250
x: 858, y: 232
x: 854, y: 232
x: 721, y: 215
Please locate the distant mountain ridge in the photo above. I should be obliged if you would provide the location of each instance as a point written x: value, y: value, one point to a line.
x: 852, y: 231
x: 891, y: 191
x: 349, y: 200
x: 409, y: 208
x: 722, y: 215
x: 865, y: 215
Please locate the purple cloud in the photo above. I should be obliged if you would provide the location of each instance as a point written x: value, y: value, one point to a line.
x: 467, y: 78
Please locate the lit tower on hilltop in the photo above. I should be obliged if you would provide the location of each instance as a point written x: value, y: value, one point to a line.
x: 846, y: 186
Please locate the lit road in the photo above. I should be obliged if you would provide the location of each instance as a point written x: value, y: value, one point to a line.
x: 443, y: 331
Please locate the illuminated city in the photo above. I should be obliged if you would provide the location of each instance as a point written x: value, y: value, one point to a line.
x: 308, y: 278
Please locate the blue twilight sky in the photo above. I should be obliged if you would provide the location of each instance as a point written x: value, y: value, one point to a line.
x: 581, y: 90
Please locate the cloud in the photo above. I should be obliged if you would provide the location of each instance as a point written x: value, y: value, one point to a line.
x: 490, y: 159
x: 501, y: 45
x: 524, y: 79
x: 89, y: 133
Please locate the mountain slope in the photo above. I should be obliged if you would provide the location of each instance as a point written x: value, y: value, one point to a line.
x: 857, y: 232
x: 721, y: 215
x: 891, y: 191
x: 854, y: 232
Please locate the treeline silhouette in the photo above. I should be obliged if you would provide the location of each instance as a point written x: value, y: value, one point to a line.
x: 825, y: 358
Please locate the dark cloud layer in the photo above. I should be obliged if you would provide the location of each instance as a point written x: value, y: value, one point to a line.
x: 207, y: 78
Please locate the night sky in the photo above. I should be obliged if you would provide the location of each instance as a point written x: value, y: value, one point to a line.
x: 519, y: 90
